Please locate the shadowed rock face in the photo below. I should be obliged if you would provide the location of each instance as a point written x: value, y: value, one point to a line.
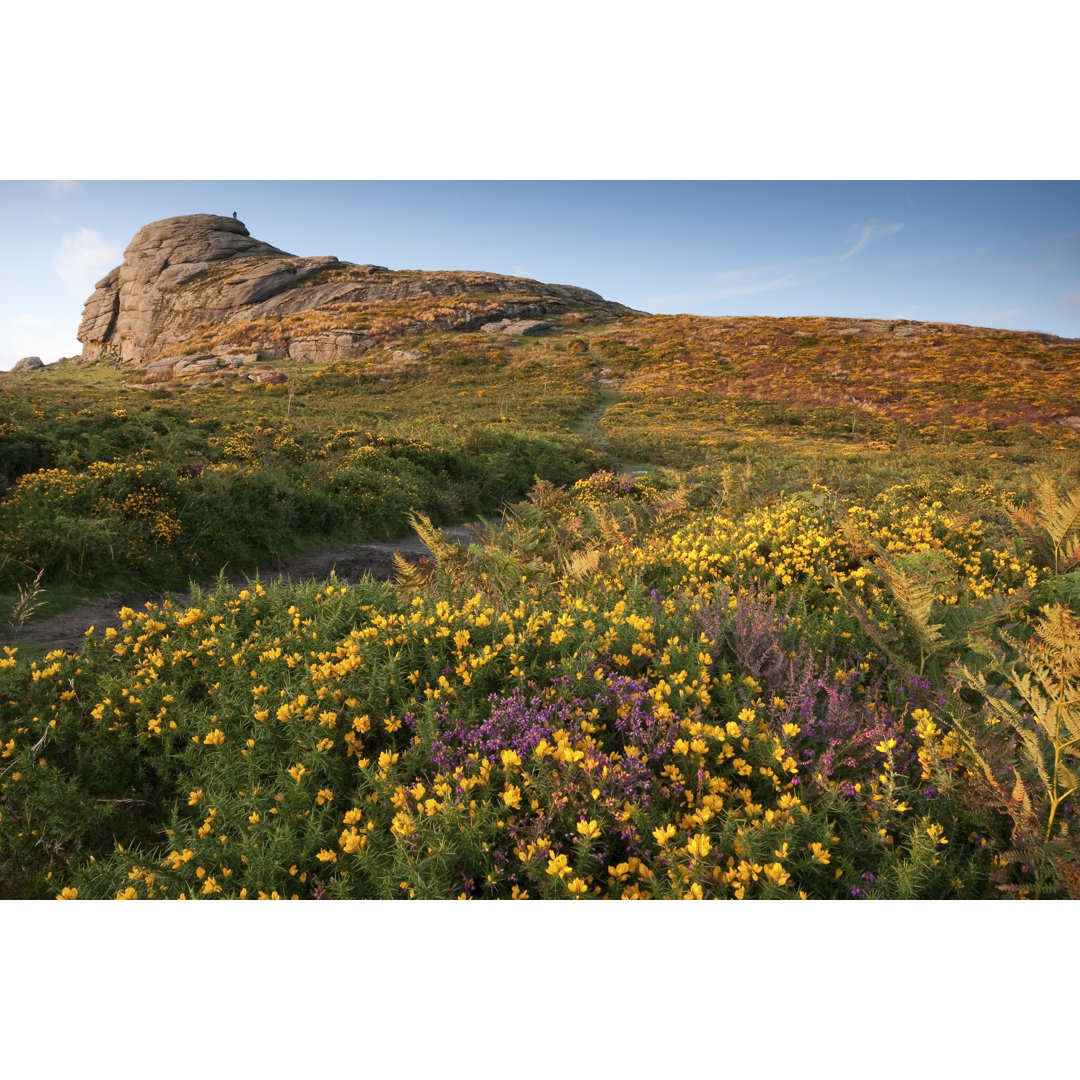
x: 185, y: 273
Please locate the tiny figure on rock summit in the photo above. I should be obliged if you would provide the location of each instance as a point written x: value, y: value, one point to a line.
x: 234, y: 215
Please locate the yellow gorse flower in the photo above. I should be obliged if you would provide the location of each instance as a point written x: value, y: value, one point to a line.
x: 557, y: 866
x: 698, y: 846
x: 589, y: 829
x: 663, y: 834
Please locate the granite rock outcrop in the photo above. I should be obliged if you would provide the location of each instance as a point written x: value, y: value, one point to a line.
x: 201, y: 283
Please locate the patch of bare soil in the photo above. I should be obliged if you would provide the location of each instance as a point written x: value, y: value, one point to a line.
x: 375, y: 559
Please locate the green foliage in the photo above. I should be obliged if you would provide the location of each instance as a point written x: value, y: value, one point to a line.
x: 1034, y: 692
x: 797, y: 663
x: 1051, y: 525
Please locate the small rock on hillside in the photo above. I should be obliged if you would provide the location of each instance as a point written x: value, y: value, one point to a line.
x: 517, y: 327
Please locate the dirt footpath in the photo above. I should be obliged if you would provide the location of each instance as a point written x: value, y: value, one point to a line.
x: 375, y: 558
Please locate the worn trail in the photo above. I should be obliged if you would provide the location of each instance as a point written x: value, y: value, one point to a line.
x: 590, y: 430
x: 374, y: 558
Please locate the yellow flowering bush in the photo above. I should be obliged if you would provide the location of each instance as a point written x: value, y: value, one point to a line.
x: 693, y: 715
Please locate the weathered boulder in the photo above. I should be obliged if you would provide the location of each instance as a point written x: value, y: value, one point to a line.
x: 331, y: 345
x: 195, y: 365
x: 517, y: 327
x: 269, y: 378
x: 164, y: 365
x: 28, y: 363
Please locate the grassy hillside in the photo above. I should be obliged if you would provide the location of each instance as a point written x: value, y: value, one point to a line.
x: 104, y: 482
x: 825, y: 641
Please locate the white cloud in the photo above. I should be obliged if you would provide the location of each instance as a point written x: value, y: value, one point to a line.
x: 868, y: 234
x: 83, y: 258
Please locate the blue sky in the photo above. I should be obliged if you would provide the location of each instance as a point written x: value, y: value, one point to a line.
x: 1001, y: 254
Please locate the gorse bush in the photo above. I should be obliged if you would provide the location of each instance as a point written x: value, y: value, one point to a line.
x: 823, y: 648
x: 690, y: 711
x: 163, y: 520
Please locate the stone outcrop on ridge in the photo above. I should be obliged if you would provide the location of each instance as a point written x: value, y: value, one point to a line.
x: 195, y: 275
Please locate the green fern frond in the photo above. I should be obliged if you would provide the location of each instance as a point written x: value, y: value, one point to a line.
x: 1046, y: 496
x: 966, y: 621
x: 981, y: 762
x: 1001, y: 708
x: 1050, y: 526
x: 885, y: 641
x: 916, y: 599
x: 1026, y: 525
x: 676, y: 503
x: 1020, y: 798
x: 1064, y: 522
x: 1033, y: 751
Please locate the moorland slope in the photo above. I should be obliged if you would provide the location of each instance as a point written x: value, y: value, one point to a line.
x: 780, y: 607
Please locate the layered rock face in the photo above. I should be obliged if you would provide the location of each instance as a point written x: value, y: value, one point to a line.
x: 194, y: 275
x: 149, y: 302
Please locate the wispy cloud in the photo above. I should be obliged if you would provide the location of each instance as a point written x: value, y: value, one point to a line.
x: 869, y: 233
x: 787, y: 275
x: 784, y: 282
x: 722, y: 292
x: 63, y: 188
x: 83, y: 257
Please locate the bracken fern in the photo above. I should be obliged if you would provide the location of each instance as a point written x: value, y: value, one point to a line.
x: 1050, y: 525
x: 1038, y: 698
